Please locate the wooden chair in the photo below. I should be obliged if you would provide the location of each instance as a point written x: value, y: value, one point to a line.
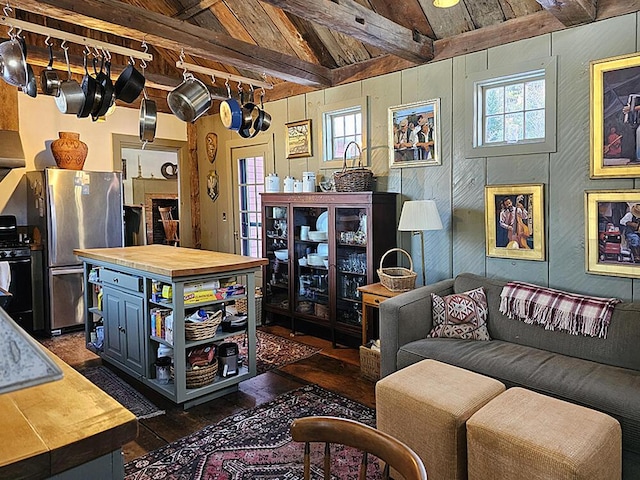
x: 354, y: 434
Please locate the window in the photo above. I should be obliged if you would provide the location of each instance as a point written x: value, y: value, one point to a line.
x: 514, y: 109
x: 250, y: 185
x: 342, y: 123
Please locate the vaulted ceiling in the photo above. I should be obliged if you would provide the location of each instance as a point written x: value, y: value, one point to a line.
x: 295, y: 45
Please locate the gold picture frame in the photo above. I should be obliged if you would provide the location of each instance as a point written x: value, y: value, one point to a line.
x: 298, y: 139
x: 611, y: 247
x: 414, y: 134
x: 615, y: 117
x: 514, y: 221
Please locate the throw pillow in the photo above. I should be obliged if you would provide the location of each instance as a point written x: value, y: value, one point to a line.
x: 460, y: 315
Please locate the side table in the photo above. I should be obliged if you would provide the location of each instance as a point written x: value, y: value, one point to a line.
x: 372, y: 295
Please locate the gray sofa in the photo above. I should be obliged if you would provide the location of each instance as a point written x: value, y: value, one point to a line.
x: 603, y: 374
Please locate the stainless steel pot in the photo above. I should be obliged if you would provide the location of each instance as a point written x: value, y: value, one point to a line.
x: 189, y: 100
x: 49, y: 81
x: 71, y: 97
x: 148, y: 120
x: 13, y: 64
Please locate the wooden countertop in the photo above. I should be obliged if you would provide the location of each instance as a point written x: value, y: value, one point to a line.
x: 172, y: 261
x: 53, y: 427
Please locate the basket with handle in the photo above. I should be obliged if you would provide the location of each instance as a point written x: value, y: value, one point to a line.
x: 354, y: 178
x: 397, y: 279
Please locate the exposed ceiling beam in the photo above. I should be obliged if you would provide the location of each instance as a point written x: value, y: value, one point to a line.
x: 352, y: 19
x: 195, y: 9
x: 125, y: 20
x: 571, y: 12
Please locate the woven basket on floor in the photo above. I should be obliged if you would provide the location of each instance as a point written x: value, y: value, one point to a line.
x: 203, y: 330
x: 369, y: 363
x: 397, y: 279
x: 202, y: 376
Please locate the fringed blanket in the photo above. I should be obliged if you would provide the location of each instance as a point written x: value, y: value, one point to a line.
x: 557, y: 310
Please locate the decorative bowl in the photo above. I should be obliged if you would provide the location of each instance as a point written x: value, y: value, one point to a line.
x: 302, y: 262
x: 317, y: 236
x: 315, y: 260
x: 282, y: 254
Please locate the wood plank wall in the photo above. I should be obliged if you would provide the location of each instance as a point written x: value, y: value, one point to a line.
x: 458, y: 184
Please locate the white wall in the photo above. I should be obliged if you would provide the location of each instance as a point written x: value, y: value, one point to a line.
x: 40, y: 122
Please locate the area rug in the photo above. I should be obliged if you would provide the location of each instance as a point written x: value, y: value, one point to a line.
x: 256, y: 443
x: 273, y: 351
x: 120, y: 390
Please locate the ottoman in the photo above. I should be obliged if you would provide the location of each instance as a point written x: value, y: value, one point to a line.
x: 426, y: 405
x: 525, y: 434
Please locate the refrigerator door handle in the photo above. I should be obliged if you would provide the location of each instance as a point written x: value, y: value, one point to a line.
x: 66, y: 271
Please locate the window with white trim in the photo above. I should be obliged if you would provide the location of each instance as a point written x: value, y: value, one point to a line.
x: 341, y: 127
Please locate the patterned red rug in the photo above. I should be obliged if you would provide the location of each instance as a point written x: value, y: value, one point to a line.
x: 256, y: 444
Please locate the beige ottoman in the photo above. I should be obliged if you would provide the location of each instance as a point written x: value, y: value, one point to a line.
x: 523, y: 434
x: 426, y: 406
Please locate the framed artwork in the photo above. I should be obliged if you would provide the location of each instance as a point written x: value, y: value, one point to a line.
x: 612, y: 236
x: 414, y: 134
x: 615, y: 117
x: 298, y: 139
x: 514, y: 221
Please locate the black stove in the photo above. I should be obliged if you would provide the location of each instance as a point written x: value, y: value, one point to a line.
x: 10, y: 245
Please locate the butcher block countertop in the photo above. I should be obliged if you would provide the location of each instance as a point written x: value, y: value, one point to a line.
x: 50, y: 428
x: 171, y: 261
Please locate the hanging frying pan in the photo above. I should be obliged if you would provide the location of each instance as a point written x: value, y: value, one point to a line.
x: 148, y: 119
x: 231, y: 112
x: 49, y: 81
x: 103, y: 78
x: 88, y: 86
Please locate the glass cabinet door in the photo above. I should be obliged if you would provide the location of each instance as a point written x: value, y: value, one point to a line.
x: 351, y: 263
x: 311, y: 250
x: 276, y: 243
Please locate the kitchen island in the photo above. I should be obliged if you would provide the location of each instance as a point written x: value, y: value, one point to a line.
x: 68, y: 428
x: 139, y: 298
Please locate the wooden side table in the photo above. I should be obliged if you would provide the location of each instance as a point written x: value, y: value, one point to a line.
x: 372, y: 296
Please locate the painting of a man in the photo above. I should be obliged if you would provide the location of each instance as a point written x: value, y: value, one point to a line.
x: 514, y: 229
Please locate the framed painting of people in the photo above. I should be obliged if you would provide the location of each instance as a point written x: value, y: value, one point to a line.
x: 514, y: 221
x: 298, y: 139
x: 615, y: 117
x: 414, y: 134
x: 613, y: 232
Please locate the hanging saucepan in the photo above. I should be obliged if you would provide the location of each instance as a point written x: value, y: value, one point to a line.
x: 71, y: 97
x: 13, y: 64
x: 103, y: 78
x: 263, y: 121
x: 89, y: 87
x: 249, y: 115
x: 129, y: 84
x: 230, y: 112
x: 189, y: 100
x: 49, y: 81
x: 148, y: 119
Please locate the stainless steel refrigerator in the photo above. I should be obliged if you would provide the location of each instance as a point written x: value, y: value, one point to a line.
x: 72, y: 209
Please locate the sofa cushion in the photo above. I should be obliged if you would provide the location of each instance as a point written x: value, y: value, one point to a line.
x: 620, y: 348
x: 609, y: 389
x: 460, y: 315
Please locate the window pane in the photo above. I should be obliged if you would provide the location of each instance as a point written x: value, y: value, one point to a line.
x: 513, y: 127
x: 338, y: 126
x: 494, y: 100
x: 338, y: 147
x: 494, y: 129
x: 534, y: 94
x: 534, y: 124
x: 514, y: 98
x: 349, y: 124
x: 358, y: 121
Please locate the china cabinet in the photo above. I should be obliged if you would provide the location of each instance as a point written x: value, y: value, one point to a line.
x: 321, y: 248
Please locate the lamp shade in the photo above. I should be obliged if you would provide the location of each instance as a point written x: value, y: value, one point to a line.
x: 418, y: 215
x: 445, y: 3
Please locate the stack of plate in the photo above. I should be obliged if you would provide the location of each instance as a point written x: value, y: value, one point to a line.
x: 317, y: 236
x: 315, y: 260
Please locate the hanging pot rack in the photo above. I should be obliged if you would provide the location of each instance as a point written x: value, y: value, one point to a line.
x: 70, y: 37
x: 227, y: 76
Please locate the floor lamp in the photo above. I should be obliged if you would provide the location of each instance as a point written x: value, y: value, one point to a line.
x: 418, y: 216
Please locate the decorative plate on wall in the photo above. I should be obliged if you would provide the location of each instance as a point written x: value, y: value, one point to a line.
x: 212, y: 185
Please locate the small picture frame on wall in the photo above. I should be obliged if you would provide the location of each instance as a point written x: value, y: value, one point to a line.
x: 612, y: 236
x: 514, y: 221
x: 298, y: 139
x: 615, y: 117
x: 414, y: 134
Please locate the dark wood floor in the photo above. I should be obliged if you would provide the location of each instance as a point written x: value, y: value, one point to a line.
x: 336, y: 369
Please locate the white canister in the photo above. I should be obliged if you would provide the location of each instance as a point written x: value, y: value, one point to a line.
x: 288, y: 184
x: 304, y: 232
x: 297, y: 186
x: 308, y: 181
x: 272, y: 183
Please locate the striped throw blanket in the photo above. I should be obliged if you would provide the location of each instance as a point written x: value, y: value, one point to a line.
x: 557, y: 310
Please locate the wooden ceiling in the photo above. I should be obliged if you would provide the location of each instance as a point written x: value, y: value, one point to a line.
x: 297, y: 45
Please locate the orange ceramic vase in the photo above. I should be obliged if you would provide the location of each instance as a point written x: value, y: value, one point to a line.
x: 68, y: 151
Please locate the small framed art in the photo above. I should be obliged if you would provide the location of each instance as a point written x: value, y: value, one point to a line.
x: 298, y: 139
x: 514, y: 221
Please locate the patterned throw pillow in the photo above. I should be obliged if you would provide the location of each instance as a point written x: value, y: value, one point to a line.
x: 460, y: 315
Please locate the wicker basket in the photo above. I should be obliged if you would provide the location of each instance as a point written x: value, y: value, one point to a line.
x: 354, y: 178
x: 397, y: 279
x: 202, y: 376
x: 369, y: 363
x: 205, y: 329
x: 241, y: 307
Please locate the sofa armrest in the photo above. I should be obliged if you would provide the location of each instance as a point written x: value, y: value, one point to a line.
x: 405, y: 318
